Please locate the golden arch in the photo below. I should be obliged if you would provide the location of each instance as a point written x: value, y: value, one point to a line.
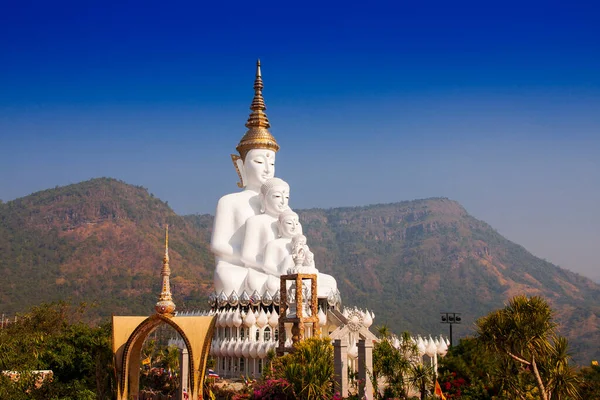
x: 128, y: 337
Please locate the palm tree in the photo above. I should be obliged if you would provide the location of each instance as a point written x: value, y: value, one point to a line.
x: 309, y: 369
x: 149, y: 348
x: 420, y: 377
x: 562, y: 378
x: 384, y: 331
x: 393, y: 363
x: 525, y: 334
x: 171, y: 358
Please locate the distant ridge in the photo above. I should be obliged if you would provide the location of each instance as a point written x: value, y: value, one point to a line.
x: 97, y: 241
x: 100, y: 241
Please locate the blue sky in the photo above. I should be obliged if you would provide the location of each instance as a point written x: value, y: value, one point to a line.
x: 496, y: 105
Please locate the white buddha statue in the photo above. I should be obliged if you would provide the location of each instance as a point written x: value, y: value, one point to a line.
x: 255, y: 165
x: 304, y: 259
x: 246, y: 222
x: 282, y: 255
x: 262, y: 229
x: 279, y: 250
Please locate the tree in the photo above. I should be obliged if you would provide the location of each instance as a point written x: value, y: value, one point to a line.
x: 50, y: 337
x: 160, y: 373
x: 469, y: 371
x: 590, y: 382
x: 524, y: 335
x: 420, y: 376
x: 394, y: 360
x: 149, y: 349
x: 171, y: 358
x: 562, y: 379
x: 308, y: 369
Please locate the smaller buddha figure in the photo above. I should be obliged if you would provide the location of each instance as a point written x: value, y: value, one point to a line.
x: 278, y: 251
x: 301, y: 260
x: 304, y: 263
x: 289, y: 253
x: 262, y: 229
x: 304, y: 259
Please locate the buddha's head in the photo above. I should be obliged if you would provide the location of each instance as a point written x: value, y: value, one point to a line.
x: 298, y: 241
x: 258, y: 167
x: 289, y: 224
x: 274, y: 196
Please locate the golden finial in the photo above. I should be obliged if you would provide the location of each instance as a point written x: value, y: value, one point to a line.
x: 166, y: 257
x: 257, y: 136
x: 165, y: 303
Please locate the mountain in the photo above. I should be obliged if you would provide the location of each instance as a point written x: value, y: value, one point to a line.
x: 410, y: 261
x: 102, y: 241
x: 99, y: 241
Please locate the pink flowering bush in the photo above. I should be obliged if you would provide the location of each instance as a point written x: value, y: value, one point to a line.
x: 274, y: 389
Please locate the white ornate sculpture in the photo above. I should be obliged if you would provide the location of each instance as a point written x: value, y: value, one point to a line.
x: 261, y: 229
x: 304, y: 259
x: 246, y: 222
x: 304, y: 263
x: 257, y: 238
x: 279, y: 250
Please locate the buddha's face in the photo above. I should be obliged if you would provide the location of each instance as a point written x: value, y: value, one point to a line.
x: 259, y: 166
x: 290, y: 226
x: 276, y: 200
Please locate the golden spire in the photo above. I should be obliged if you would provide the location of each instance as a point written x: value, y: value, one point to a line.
x: 165, y: 303
x: 257, y: 117
x: 166, y: 257
x: 257, y: 136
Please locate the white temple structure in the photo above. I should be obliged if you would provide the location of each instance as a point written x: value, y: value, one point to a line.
x: 254, y: 228
x: 258, y: 243
x: 268, y: 289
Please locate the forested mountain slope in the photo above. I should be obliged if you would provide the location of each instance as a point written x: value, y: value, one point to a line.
x: 98, y: 241
x: 101, y: 241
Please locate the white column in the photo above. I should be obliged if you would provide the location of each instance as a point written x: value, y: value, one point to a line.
x: 184, y: 363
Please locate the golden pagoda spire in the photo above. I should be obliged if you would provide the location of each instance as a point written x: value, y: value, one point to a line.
x: 258, y: 117
x: 165, y: 303
x: 257, y: 136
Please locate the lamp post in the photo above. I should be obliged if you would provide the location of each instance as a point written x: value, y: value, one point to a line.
x: 450, y: 318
